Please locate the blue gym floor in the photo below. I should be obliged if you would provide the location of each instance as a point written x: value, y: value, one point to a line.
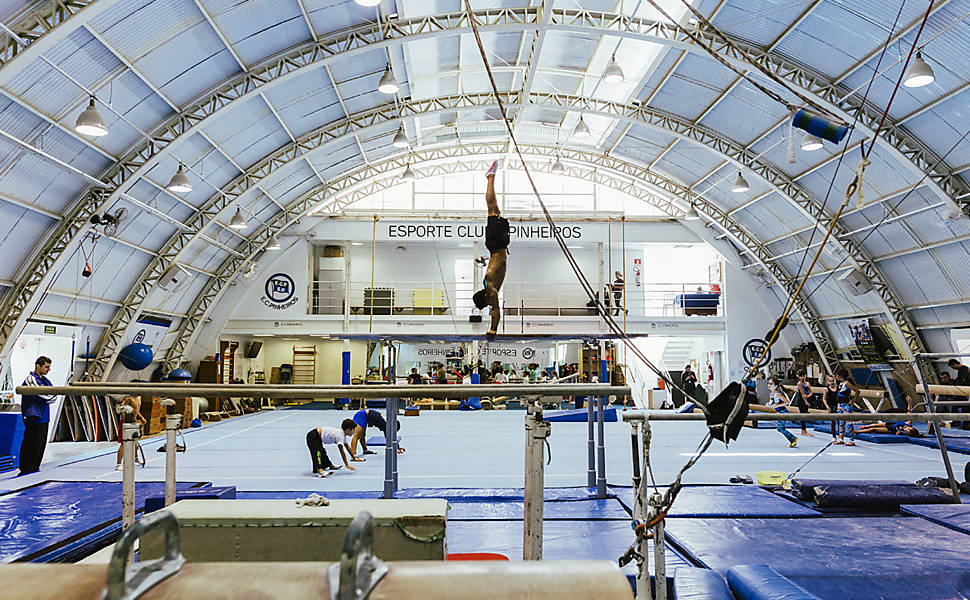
x: 475, y: 459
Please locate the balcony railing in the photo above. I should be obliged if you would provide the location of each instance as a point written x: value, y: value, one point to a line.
x: 364, y: 298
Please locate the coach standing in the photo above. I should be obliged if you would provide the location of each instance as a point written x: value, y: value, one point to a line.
x: 36, y: 412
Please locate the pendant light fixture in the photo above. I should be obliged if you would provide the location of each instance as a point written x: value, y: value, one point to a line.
x: 613, y: 73
x: 238, y: 221
x: 179, y: 182
x: 691, y: 214
x: 90, y: 122
x: 557, y: 167
x: 581, y: 130
x: 400, y: 138
x: 273, y: 243
x: 740, y: 184
x: 408, y: 174
x: 368, y: 3
x: 920, y: 73
x: 810, y: 143
x: 388, y: 85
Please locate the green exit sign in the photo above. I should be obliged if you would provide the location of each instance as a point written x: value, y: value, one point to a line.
x: 50, y: 329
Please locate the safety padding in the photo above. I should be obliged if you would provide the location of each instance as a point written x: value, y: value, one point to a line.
x: 761, y: 582
x: 212, y: 492
x: 882, y: 497
x: 579, y: 416
x: 695, y: 583
x: 804, y: 489
x: 954, y: 516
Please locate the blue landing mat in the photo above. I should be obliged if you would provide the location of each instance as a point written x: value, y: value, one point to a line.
x: 578, y: 415
x: 862, y: 552
x: 943, y: 585
x: 36, y: 522
x: 495, y: 494
x: 954, y: 516
x: 726, y: 501
x: 287, y: 495
x: 959, y: 445
x: 604, y: 510
x: 561, y: 540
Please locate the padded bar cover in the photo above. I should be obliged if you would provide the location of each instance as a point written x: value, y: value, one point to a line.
x: 695, y: 583
x: 880, y: 496
x: 761, y: 582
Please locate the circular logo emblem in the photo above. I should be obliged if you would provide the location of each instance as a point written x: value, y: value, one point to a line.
x: 280, y: 288
x: 139, y: 337
x: 528, y: 353
x: 756, y: 353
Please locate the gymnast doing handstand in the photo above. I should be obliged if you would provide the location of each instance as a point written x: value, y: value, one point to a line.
x: 497, y: 242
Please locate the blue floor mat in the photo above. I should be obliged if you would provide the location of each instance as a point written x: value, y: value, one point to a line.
x: 942, y: 585
x: 954, y: 516
x: 726, y: 501
x: 293, y: 495
x: 866, y: 549
x: 608, y: 510
x: 494, y: 494
x: 36, y: 522
x: 561, y: 540
x: 579, y: 415
x: 959, y: 445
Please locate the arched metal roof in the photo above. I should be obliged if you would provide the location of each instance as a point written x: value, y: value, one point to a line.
x: 272, y: 105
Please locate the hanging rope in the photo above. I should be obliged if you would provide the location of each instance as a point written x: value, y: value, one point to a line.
x: 573, y: 264
x: 373, y: 254
x: 444, y: 285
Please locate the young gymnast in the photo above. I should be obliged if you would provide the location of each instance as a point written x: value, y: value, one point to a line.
x: 779, y: 401
x: 364, y: 418
x: 136, y: 417
x: 896, y: 427
x: 315, y: 440
x: 497, y: 242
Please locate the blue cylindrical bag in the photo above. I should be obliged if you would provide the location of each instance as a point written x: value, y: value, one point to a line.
x: 820, y: 126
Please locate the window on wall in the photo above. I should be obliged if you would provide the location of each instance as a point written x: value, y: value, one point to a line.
x: 961, y: 341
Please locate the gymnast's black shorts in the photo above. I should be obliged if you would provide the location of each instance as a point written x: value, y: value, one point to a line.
x: 497, y: 233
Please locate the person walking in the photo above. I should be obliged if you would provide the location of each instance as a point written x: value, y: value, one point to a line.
x: 779, y: 401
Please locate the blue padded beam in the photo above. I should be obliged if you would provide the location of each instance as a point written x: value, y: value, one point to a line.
x: 695, y: 583
x: 609, y: 509
x: 578, y: 416
x: 882, y: 497
x: 212, y: 492
x: 761, y: 582
x: 804, y: 489
x: 726, y: 501
x: 954, y: 516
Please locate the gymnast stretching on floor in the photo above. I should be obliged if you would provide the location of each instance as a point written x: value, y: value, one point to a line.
x: 896, y: 427
x: 497, y: 242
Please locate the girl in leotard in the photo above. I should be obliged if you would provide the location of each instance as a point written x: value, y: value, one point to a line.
x: 848, y: 390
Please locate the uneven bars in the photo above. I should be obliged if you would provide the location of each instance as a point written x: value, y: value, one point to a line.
x: 639, y: 417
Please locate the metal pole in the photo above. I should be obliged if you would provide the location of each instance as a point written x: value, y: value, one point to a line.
x: 600, y: 450
x: 590, y: 444
x: 637, y: 417
x: 640, y: 513
x: 659, y: 554
x: 129, y: 433
x: 939, y: 434
x: 536, y: 432
x: 392, y: 426
x: 634, y: 431
x: 172, y: 423
x: 389, y: 454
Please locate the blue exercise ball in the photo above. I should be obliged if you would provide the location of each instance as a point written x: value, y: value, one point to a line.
x: 180, y: 375
x: 136, y: 356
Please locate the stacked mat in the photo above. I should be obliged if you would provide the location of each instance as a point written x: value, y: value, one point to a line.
x: 8, y: 463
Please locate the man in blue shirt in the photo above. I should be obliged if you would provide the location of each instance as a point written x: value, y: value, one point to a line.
x: 36, y: 412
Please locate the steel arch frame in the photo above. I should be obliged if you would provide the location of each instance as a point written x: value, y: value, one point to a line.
x: 391, y: 114
x: 632, y: 178
x: 357, y: 39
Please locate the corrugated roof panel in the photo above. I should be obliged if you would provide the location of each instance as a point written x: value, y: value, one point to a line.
x: 260, y: 29
x: 297, y: 182
x: 20, y: 232
x: 144, y: 228
x: 831, y: 180
x: 761, y: 116
x: 33, y: 179
x: 642, y: 144
x: 164, y: 300
x: 329, y: 16
x: 684, y: 97
x: 912, y: 278
x: 259, y: 138
x: 773, y: 148
x: 19, y: 122
x: 123, y: 27
x: 81, y: 56
x: 686, y: 161
x: 819, y: 39
x: 954, y: 313
x: 758, y: 21
x: 306, y: 103
x: 954, y: 261
x: 887, y: 238
x: 658, y: 75
x: 361, y: 94
x: 941, y: 128
x: 114, y: 268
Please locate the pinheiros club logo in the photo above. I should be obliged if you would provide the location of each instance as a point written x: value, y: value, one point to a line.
x: 528, y: 353
x: 279, y: 292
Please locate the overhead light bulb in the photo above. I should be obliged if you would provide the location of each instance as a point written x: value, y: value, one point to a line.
x: 273, y: 243
x: 238, y: 221
x: 740, y: 184
x: 179, y: 182
x: 400, y: 138
x: 408, y: 174
x: 557, y: 167
x: 388, y: 85
x: 691, y: 214
x: 613, y: 73
x: 582, y: 129
x: 90, y: 122
x: 920, y: 73
x: 811, y: 143
x: 368, y: 3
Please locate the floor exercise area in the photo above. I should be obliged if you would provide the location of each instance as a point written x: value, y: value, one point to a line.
x: 724, y: 540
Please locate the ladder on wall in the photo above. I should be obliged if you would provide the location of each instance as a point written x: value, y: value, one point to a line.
x: 304, y: 365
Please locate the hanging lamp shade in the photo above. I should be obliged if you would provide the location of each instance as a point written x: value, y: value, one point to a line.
x: 582, y: 129
x: 557, y: 167
x: 920, y: 73
x: 740, y: 184
x: 400, y: 138
x: 388, y: 85
x: 810, y: 143
x: 613, y: 73
x: 273, y: 243
x: 691, y: 214
x: 408, y: 174
x: 90, y: 122
x: 179, y: 182
x: 238, y: 221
